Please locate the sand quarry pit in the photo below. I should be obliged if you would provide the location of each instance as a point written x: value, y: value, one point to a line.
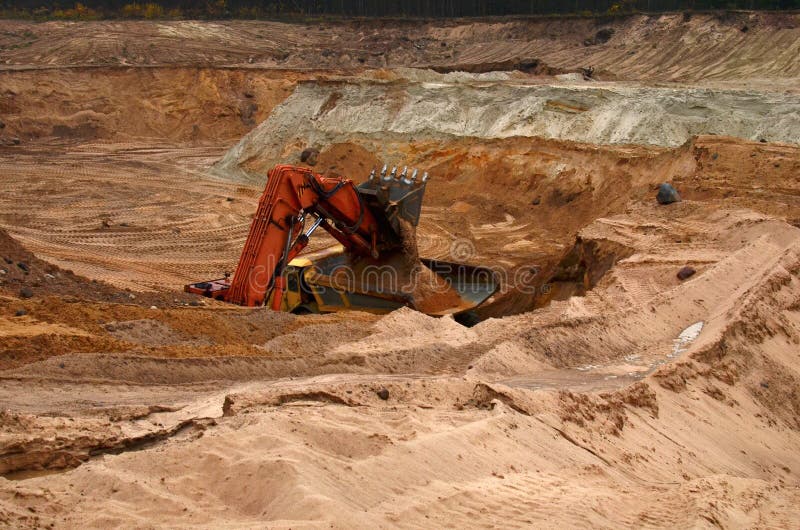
x: 598, y: 390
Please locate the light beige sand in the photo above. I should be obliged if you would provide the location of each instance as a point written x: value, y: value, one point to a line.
x: 617, y: 397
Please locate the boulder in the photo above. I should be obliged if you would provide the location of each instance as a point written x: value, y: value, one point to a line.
x: 667, y: 194
x: 309, y: 156
x: 686, y: 272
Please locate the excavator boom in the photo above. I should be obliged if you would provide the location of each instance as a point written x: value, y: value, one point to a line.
x: 364, y: 219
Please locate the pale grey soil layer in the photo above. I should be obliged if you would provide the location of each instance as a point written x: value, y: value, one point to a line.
x: 472, y: 106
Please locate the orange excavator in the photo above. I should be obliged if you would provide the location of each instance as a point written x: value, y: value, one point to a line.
x: 367, y: 222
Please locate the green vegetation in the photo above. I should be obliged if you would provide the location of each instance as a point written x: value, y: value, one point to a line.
x: 255, y: 9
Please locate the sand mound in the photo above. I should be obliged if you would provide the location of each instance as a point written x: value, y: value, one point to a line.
x: 26, y: 276
x: 22, y: 271
x: 407, y: 340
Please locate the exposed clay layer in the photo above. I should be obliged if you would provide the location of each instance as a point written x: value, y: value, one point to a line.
x: 381, y: 116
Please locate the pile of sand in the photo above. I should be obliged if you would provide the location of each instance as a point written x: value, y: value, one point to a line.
x: 429, y: 291
x: 23, y: 274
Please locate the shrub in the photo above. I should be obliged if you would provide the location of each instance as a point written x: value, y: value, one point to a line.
x: 79, y: 12
x: 149, y: 11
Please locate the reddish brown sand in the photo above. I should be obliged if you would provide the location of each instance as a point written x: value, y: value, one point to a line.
x: 429, y: 291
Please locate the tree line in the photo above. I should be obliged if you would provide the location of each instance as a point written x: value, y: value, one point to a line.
x: 96, y: 9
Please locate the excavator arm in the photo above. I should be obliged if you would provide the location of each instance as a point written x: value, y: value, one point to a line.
x: 364, y: 219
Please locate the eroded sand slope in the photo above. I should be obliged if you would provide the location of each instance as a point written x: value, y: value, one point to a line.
x: 607, y: 393
x: 387, y: 114
x: 585, y: 411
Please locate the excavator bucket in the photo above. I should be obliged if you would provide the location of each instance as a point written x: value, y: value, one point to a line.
x: 391, y: 196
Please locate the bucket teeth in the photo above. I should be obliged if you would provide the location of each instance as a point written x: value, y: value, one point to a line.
x: 405, y: 179
x: 395, y: 195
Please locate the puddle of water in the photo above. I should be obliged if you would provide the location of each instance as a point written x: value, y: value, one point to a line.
x: 573, y: 380
x: 680, y: 343
x: 592, y: 377
x: 686, y: 337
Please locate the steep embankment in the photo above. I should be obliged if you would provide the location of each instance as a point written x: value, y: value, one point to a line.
x: 670, y: 47
x: 122, y: 104
x: 101, y: 79
x: 383, y: 116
